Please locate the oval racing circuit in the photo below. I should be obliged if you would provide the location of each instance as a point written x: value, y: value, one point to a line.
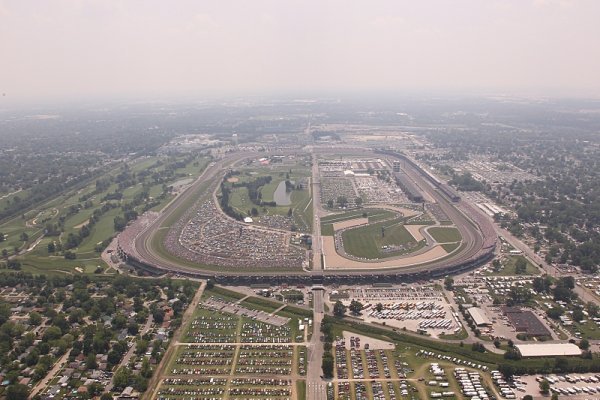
x: 478, y: 240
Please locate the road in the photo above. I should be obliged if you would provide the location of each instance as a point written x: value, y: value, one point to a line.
x: 316, y: 387
x: 127, y: 357
x: 58, y: 366
x: 318, y: 212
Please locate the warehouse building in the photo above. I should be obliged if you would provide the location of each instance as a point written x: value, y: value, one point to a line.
x: 526, y: 322
x: 548, y: 350
x: 479, y: 317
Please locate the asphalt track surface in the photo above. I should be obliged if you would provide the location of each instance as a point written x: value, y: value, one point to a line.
x: 473, y: 241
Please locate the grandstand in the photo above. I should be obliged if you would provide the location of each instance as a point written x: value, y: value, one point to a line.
x: 408, y: 187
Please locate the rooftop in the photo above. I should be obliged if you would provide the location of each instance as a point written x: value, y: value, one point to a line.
x: 548, y: 349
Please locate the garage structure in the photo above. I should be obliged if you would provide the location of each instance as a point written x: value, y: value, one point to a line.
x: 479, y: 317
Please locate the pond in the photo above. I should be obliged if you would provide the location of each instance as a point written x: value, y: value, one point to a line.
x: 281, y: 197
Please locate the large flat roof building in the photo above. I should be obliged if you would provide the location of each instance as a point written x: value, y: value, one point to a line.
x: 526, y: 321
x: 548, y: 349
x: 479, y: 316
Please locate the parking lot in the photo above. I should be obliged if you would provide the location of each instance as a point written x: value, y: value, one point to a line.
x: 416, y: 308
x: 575, y: 386
x: 234, y: 356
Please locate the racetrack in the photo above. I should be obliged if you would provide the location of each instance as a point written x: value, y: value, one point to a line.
x: 474, y: 245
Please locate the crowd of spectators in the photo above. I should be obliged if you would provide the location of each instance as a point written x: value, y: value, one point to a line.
x: 210, y: 238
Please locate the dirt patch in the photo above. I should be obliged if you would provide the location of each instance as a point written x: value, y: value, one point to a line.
x: 415, y: 231
x: 350, y: 223
x: 374, y: 344
x: 233, y: 179
x: 335, y: 261
x: 81, y: 224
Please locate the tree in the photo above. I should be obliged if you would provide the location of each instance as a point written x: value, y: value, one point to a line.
x: 358, y: 201
x: 35, y: 318
x: 330, y: 203
x: 2, y: 237
x: 379, y: 307
x: 584, y: 344
x: 132, y: 328
x: 119, y: 321
x: 555, y: 312
x: 210, y: 284
x: 496, y: 264
x: 520, y: 295
x: 578, y: 315
x: 51, y: 247
x: 146, y: 370
x: 69, y: 255
x: 90, y: 361
x: 24, y: 237
x: 17, y: 392
x: 507, y: 370
x: 355, y: 307
x: 544, y: 386
x: 342, y: 201
x: 542, y: 284
x: 449, y: 283
x: 521, y: 265
x: 327, y: 365
x: 290, y: 212
x: 592, y: 309
x: 339, y: 309
x: 478, y: 347
x: 121, y: 378
x: 528, y: 397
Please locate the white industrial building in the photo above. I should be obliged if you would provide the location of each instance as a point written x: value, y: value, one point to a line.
x: 479, y: 316
x: 548, y: 350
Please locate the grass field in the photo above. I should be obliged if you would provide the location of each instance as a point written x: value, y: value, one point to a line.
x: 301, y: 389
x: 450, y: 247
x: 301, y: 203
x: 61, y: 208
x: 373, y: 214
x: 509, y: 267
x: 445, y: 235
x: 368, y: 241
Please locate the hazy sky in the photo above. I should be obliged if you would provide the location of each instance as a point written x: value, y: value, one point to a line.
x: 57, y: 49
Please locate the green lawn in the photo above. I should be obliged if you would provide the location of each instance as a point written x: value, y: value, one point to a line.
x: 223, y: 293
x: 58, y: 207
x: 445, y: 235
x: 301, y: 204
x: 509, y: 267
x: 373, y: 214
x: 301, y: 389
x: 450, y: 247
x: 367, y: 241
